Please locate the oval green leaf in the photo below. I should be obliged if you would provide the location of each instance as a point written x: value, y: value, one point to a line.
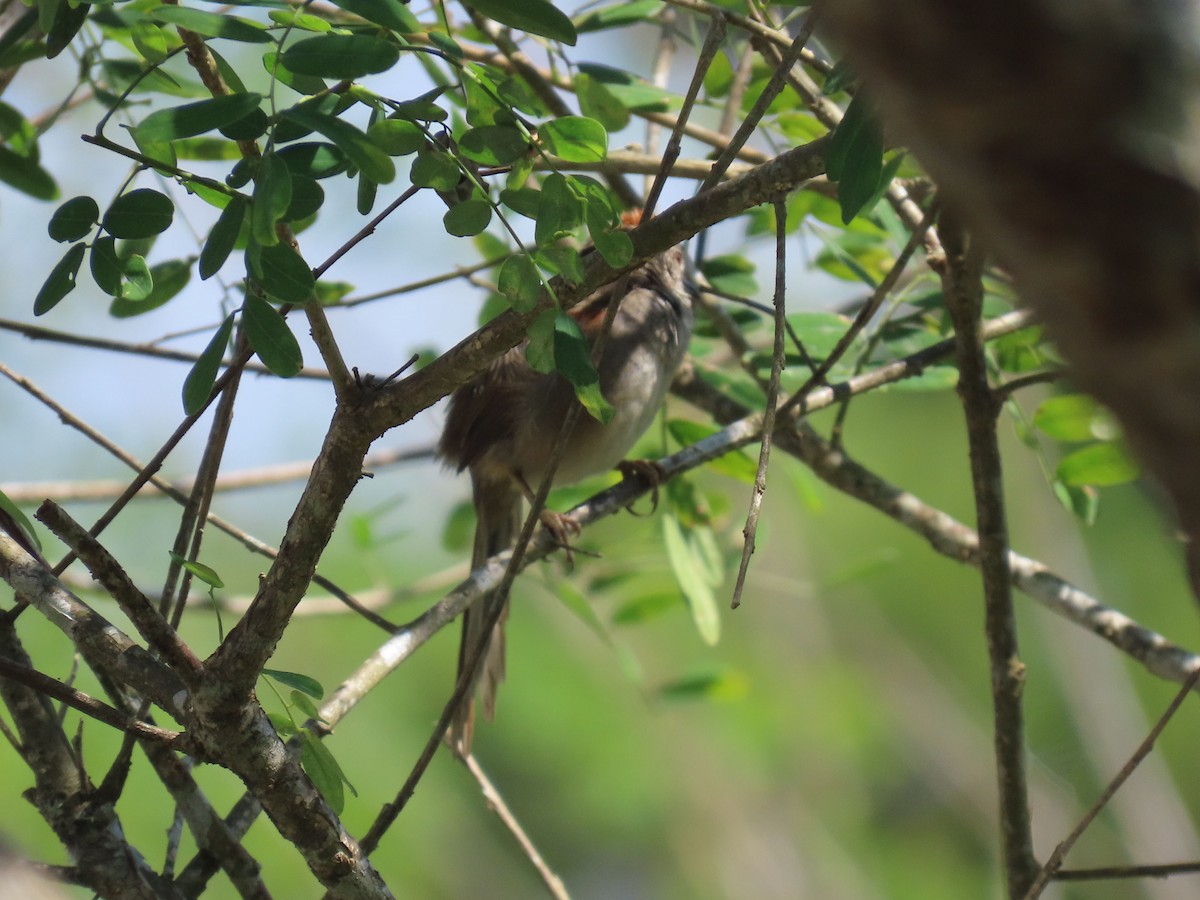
x: 341, y: 56
x: 168, y: 279
x: 269, y: 335
x: 212, y: 24
x: 200, y: 380
x: 1098, y: 465
x: 74, y: 219
x: 493, y: 145
x: 61, y: 280
x: 272, y: 196
x: 468, y: 218
x: 24, y: 174
x: 359, y: 149
x: 222, y: 237
x: 192, y: 119
x: 139, y: 214
x: 285, y: 274
x: 533, y: 16
x: 520, y: 283
x: 575, y: 139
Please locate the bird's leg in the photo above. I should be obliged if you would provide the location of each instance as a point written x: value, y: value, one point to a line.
x: 562, y: 528
x: 647, y: 470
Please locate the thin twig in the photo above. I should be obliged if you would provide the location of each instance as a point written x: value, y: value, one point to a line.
x: 496, y: 803
x: 1055, y: 861
x: 84, y: 703
x: 962, y: 285
x: 1160, y: 870
x: 750, y: 530
x: 712, y: 45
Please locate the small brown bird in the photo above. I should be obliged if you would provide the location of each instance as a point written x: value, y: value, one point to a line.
x: 502, y: 426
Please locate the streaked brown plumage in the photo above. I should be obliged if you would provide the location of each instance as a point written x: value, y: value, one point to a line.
x: 502, y: 426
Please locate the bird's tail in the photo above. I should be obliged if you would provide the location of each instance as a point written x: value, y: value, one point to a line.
x: 498, y: 520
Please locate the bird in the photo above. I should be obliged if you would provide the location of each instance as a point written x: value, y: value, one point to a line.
x: 502, y: 425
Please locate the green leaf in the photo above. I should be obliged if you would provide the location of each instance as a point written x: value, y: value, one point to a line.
x: 1082, y: 501
x: 735, y: 464
x: 468, y: 218
x: 307, y: 198
x: 493, y: 145
x: 138, y: 282
x: 636, y: 93
x: 731, y: 274
x: 272, y: 196
x: 285, y: 275
x: 391, y: 14
x: 341, y: 56
x: 723, y: 684
x: 539, y: 352
x: 150, y: 41
x: 74, y: 219
x: 222, y: 237
x: 106, y: 267
x: 283, y: 724
x: 67, y: 22
x: 21, y: 520
x: 166, y: 279
x: 61, y: 280
x: 690, y: 574
x: 599, y: 103
x: 1099, y: 465
x: 618, y: 15
x: 396, y: 137
x: 560, y: 209
x: 139, y: 214
x: 302, y: 683
x: 533, y: 16
x: 572, y: 359
x: 434, y: 168
x: 26, y: 175
x: 561, y: 260
x: 575, y: 139
x: 207, y: 574
x: 192, y: 119
x: 614, y: 245
x: 855, y: 157
x: 269, y: 335
x: 212, y: 24
x: 1074, y: 417
x: 302, y: 702
x: 520, y: 283
x: 200, y: 380
x: 314, y: 159
x: 366, y: 193
x: 301, y: 84
x: 323, y: 769
x: 359, y: 149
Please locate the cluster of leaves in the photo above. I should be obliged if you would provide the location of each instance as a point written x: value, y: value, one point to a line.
x: 477, y: 121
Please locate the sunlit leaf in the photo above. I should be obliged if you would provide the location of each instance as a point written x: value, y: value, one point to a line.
x: 167, y: 279
x: 575, y: 139
x: 1099, y: 465
x: 207, y: 574
x: 690, y: 574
